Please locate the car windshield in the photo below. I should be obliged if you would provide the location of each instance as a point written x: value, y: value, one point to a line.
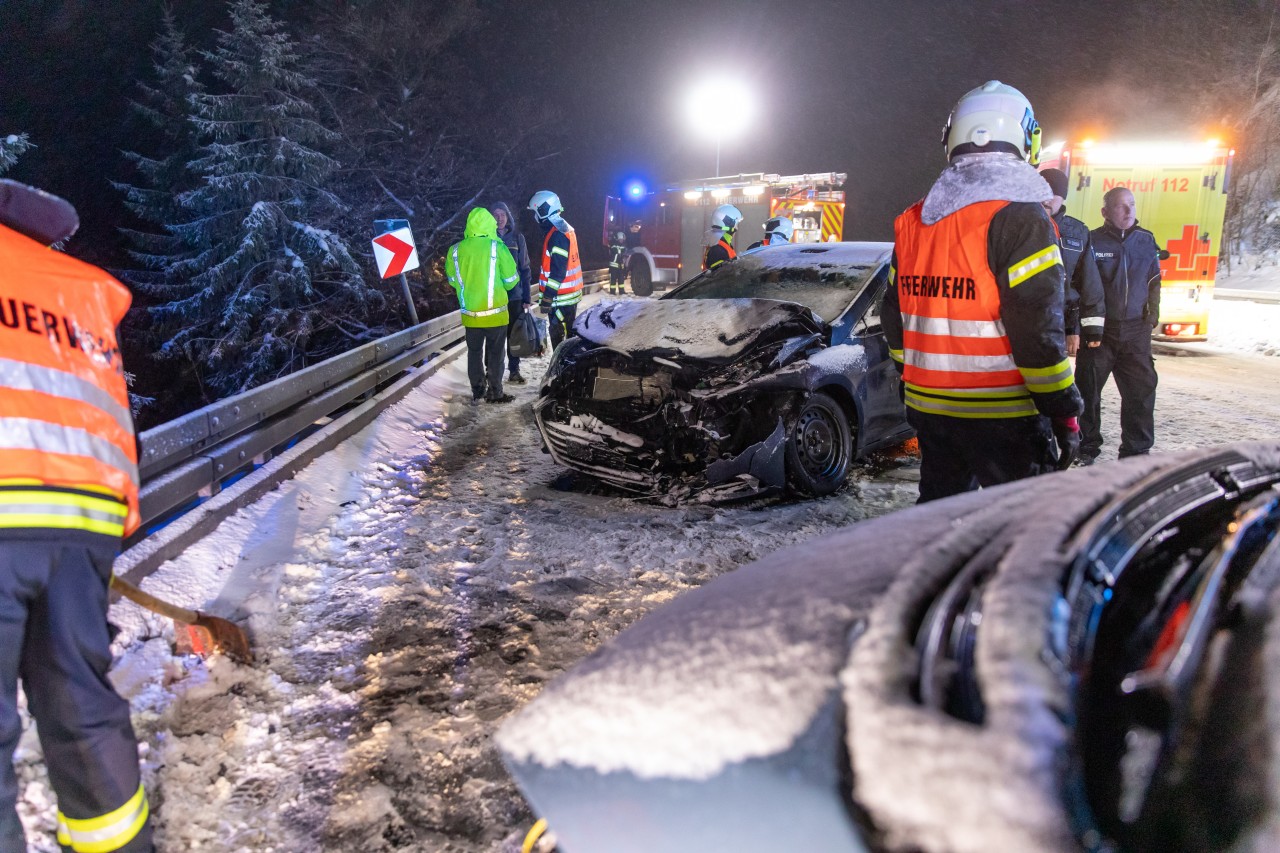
x: 823, y: 287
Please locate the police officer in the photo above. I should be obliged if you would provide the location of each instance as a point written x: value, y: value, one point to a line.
x: 68, y: 494
x: 973, y: 307
x: 1128, y: 261
x: 560, y: 281
x: 724, y: 222
x: 1084, y: 304
x: 617, y: 271
x: 779, y: 229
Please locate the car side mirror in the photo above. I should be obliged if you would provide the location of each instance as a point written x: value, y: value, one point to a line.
x: 1163, y: 254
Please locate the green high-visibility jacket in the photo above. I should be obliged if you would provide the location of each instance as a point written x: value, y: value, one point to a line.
x: 481, y: 270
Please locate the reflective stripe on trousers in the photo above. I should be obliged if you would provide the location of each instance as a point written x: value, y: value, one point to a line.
x: 106, y: 833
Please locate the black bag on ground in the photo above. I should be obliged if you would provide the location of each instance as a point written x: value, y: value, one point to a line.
x: 527, y: 336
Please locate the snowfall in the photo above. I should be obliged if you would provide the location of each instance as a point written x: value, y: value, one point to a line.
x: 409, y: 590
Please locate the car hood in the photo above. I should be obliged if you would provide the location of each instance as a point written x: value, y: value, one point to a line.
x: 702, y: 329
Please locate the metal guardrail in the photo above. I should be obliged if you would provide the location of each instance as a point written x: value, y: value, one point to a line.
x: 194, y: 456
x: 1246, y: 295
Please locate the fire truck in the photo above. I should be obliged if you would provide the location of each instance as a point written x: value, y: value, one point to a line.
x: 667, y: 232
x: 1181, y: 193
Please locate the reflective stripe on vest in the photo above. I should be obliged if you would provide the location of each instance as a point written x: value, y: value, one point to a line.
x: 108, y: 832
x: 488, y: 313
x: 63, y: 510
x: 569, y: 291
x: 490, y: 288
x: 957, y: 358
x: 64, y: 412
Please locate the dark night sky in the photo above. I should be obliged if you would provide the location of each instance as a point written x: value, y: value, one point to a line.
x: 859, y: 87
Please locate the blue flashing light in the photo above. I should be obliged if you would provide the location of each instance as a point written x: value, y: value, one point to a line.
x: 635, y: 190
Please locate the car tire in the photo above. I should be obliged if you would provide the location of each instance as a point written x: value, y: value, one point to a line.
x: 819, y: 447
x: 641, y: 277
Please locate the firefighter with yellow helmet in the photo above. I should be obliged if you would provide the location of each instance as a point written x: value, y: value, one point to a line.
x: 973, y: 311
x: 68, y: 495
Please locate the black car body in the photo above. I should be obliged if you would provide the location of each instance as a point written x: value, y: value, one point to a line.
x: 768, y: 372
x: 1087, y: 660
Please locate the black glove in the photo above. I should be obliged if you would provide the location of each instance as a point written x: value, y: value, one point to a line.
x: 1067, y: 433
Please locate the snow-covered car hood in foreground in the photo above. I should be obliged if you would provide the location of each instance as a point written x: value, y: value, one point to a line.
x: 780, y: 707
x: 702, y: 329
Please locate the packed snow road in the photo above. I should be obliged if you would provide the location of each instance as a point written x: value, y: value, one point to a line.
x: 410, y: 589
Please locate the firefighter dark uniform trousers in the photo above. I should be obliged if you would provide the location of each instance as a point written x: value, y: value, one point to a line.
x: 973, y: 314
x: 68, y: 493
x: 617, y: 273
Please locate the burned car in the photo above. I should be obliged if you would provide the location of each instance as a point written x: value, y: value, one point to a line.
x: 766, y: 374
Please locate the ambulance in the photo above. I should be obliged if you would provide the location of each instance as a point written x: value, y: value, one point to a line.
x: 667, y: 232
x: 1181, y: 193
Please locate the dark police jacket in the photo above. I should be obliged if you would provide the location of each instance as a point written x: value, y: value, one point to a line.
x: 1084, y: 305
x: 1130, y: 268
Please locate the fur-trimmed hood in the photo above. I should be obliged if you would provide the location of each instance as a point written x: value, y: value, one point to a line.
x: 972, y: 178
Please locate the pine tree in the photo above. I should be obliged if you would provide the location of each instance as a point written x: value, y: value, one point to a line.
x: 12, y: 147
x: 266, y: 289
x: 167, y: 105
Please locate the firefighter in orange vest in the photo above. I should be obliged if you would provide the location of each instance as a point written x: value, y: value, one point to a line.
x: 724, y: 221
x: 68, y: 494
x: 973, y: 309
x: 560, y: 282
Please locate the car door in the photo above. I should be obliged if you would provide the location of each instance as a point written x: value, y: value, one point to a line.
x: 883, y: 413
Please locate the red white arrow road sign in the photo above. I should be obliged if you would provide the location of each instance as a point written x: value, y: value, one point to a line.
x: 395, y: 253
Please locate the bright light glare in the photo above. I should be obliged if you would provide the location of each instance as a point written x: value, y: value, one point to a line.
x: 753, y: 191
x: 1152, y: 154
x: 720, y: 108
x: 720, y: 193
x: 693, y: 195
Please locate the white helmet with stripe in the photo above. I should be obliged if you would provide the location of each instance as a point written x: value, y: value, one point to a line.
x: 993, y: 117
x: 726, y: 218
x: 779, y: 227
x: 545, y: 204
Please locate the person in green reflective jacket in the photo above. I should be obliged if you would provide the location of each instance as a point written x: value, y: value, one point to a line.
x: 481, y: 271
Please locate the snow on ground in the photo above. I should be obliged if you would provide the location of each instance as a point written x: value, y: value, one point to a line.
x: 1245, y: 327
x: 411, y: 588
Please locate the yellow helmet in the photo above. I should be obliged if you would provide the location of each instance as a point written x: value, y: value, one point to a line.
x: 993, y: 117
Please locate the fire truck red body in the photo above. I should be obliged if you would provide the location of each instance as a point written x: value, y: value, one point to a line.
x: 667, y: 232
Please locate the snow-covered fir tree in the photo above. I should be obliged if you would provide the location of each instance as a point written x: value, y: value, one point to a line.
x: 166, y: 104
x: 12, y: 147
x: 268, y: 288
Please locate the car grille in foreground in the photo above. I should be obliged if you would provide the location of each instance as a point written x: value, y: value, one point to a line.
x: 591, y: 453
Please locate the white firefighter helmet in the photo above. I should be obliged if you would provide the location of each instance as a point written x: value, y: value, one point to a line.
x: 726, y: 218
x: 779, y: 227
x: 993, y: 113
x: 545, y: 204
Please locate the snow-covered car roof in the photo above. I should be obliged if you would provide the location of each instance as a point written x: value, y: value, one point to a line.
x: 853, y: 254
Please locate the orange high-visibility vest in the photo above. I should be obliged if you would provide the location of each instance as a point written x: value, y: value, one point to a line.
x: 728, y: 247
x: 569, y: 291
x: 957, y: 359
x: 68, y: 459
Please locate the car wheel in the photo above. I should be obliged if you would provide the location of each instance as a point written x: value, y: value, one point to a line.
x: 641, y: 278
x: 819, y: 447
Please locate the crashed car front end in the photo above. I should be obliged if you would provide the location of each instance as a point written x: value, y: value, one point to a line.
x: 661, y: 423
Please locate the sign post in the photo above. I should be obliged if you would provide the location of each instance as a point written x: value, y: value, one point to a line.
x: 395, y: 254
